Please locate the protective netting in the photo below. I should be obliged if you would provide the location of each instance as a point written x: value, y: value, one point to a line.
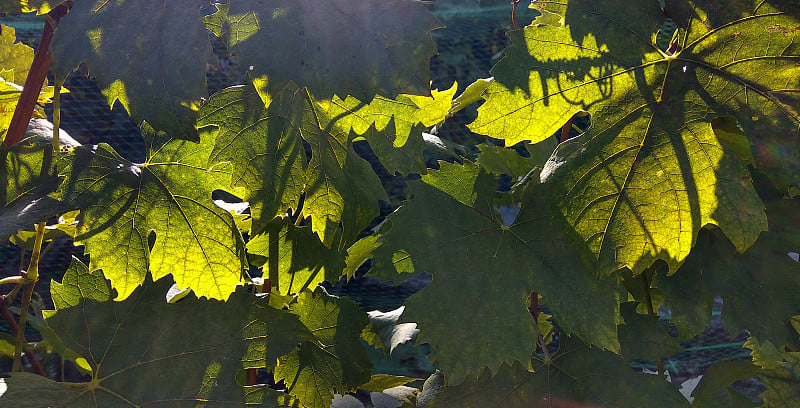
x: 469, y: 45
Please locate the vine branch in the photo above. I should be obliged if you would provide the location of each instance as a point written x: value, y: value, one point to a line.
x: 35, y: 80
x: 514, y: 5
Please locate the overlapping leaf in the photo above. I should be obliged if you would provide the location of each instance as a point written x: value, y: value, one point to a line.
x: 295, y: 256
x: 346, y: 47
x: 334, y: 361
x: 482, y: 270
x: 337, y: 185
x: 149, y: 55
x: 393, y: 127
x: 764, y: 271
x: 575, y: 376
x: 779, y: 370
x: 25, y: 6
x: 144, y: 351
x: 169, y: 195
x: 79, y: 284
x: 650, y: 172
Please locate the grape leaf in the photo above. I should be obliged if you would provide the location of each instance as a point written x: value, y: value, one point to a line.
x: 742, y: 280
x: 642, y: 337
x: 779, y: 370
x: 649, y: 172
x: 295, y: 256
x: 144, y: 351
x: 14, y: 56
x: 79, y: 284
x: 348, y: 47
x: 393, y: 127
x: 169, y: 195
x: 714, y: 390
x: 149, y: 55
x: 338, y: 186
x: 576, y: 376
x: 335, y: 361
x: 482, y: 269
x: 25, y: 6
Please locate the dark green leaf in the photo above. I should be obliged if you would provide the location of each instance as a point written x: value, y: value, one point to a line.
x: 348, y: 47
x: 149, y: 55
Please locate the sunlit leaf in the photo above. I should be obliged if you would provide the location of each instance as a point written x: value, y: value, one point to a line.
x: 169, y: 195
x: 650, y: 172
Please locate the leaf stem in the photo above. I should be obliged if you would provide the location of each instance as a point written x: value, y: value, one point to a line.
x: 514, y: 5
x: 32, y: 276
x: 56, y: 120
x: 35, y: 80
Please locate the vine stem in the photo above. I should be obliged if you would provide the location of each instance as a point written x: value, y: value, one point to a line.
x: 31, y: 276
x: 35, y: 80
x: 514, y: 5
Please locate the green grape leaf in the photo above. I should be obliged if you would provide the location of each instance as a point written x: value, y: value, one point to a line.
x: 337, y: 185
x: 575, y: 376
x: 642, y: 337
x: 393, y: 127
x: 639, y: 184
x: 25, y: 6
x: 359, y: 253
x: 169, y: 195
x: 24, y: 199
x: 295, y: 256
x: 14, y: 56
x: 149, y: 55
x: 482, y: 269
x: 473, y: 93
x: 335, y: 361
x: 144, y: 351
x: 779, y: 370
x: 764, y: 271
x: 268, y: 159
x: 79, y: 284
x: 714, y: 390
x: 351, y: 47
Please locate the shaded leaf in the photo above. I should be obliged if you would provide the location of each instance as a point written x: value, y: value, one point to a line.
x: 169, y: 194
x: 335, y: 361
x: 764, y: 271
x: 338, y: 186
x: 149, y: 55
x: 353, y: 47
x: 576, y: 375
x: 295, y: 256
x: 482, y: 269
x: 714, y: 389
x: 144, y: 351
x: 779, y: 370
x: 643, y: 338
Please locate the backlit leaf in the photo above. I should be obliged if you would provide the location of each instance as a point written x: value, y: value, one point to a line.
x: 650, y: 172
x: 79, y: 284
x: 169, y: 195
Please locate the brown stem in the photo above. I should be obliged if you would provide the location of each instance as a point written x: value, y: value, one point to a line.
x: 514, y: 5
x: 566, y: 129
x: 534, y: 307
x: 35, y: 80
